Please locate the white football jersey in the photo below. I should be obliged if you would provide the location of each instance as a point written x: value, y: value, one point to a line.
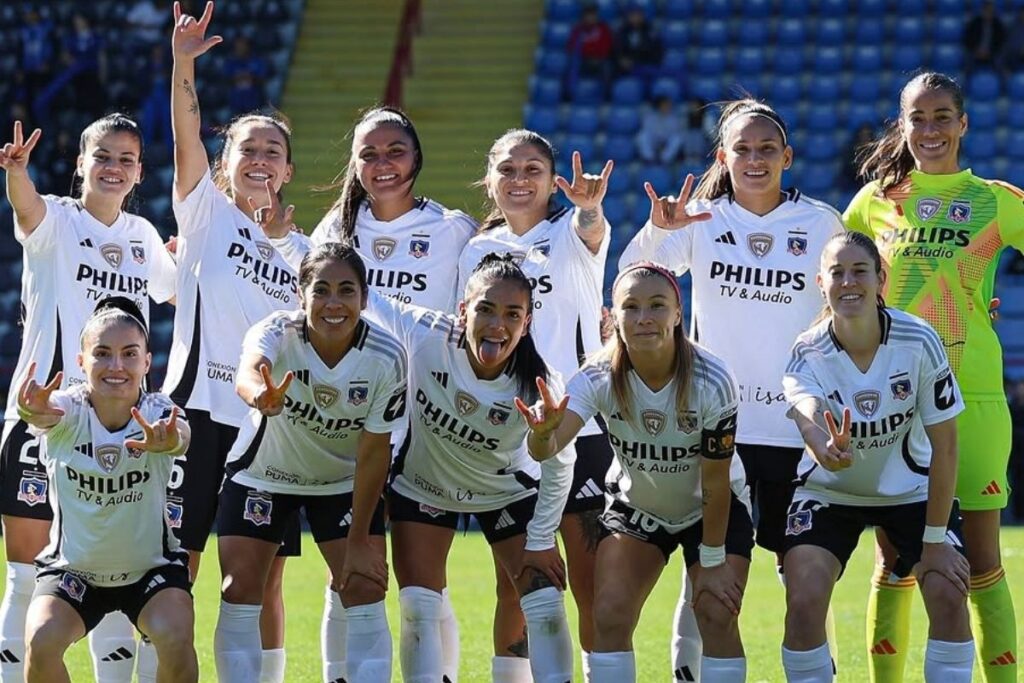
x: 109, y: 502
x: 908, y: 387
x: 415, y: 257
x: 657, y: 453
x: 230, y: 276
x: 753, y: 292
x: 72, y: 262
x: 310, y: 448
x: 568, y: 279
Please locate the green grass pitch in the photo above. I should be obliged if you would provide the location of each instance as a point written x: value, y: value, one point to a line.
x: 472, y: 590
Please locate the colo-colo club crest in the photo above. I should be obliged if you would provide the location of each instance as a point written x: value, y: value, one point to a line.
x: 383, y: 247
x: 654, y: 421
x: 760, y: 244
x: 324, y: 396
x: 465, y: 404
x: 108, y: 456
x: 867, y: 402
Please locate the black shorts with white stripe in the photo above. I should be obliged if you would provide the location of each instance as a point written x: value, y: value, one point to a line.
x: 497, y: 525
x: 95, y: 602
x: 249, y: 512
x: 593, y: 458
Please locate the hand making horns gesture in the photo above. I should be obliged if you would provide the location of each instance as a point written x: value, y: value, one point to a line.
x: 669, y: 213
x: 544, y: 416
x: 34, y: 399
x: 189, y: 37
x: 587, y: 190
x: 159, y: 437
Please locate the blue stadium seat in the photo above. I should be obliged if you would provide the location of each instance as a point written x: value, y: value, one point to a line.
x: 757, y: 9
x: 552, y: 63
x: 621, y: 148
x: 716, y: 9
x: 984, y: 115
x: 673, y: 63
x: 823, y: 118
x: 951, y: 7
x: 790, y: 113
x: 588, y: 91
x: 711, y: 61
x: 749, y: 60
x: 833, y: 8
x: 824, y: 88
x: 650, y: 7
x: 867, y: 33
x: 864, y: 87
x: 871, y: 8
x: 667, y: 87
x: 907, y: 57
x: 1015, y: 86
x: 628, y: 91
x: 947, y: 58
x: 675, y: 35
x: 983, y: 85
x: 831, y: 30
x: 985, y: 168
x: 609, y: 10
x: 661, y: 177
x: 621, y: 180
x: 546, y: 91
x: 821, y: 147
x: 784, y: 90
x: 544, y: 120
x: 789, y: 59
x: 818, y: 177
x: 623, y: 120
x: 790, y: 32
x: 584, y: 144
x: 1015, y: 117
x: 752, y: 33
x: 795, y: 8
x: 866, y: 58
x: 1014, y: 143
x: 908, y: 28
x: 948, y: 28
x: 556, y: 34
x: 1015, y: 173
x: 914, y: 8
x: 678, y: 9
x: 562, y: 10
x: 582, y: 120
x: 615, y: 210
x: 707, y: 88
x: 714, y: 33
x: 828, y: 60
x: 980, y: 145
x: 638, y: 215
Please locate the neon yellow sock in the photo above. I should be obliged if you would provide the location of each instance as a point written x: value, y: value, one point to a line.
x: 994, y: 626
x: 888, y: 626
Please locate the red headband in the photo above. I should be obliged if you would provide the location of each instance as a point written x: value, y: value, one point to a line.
x: 650, y: 265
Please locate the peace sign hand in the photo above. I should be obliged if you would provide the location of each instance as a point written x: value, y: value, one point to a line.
x: 837, y: 454
x: 189, y: 38
x: 34, y: 400
x: 669, y: 213
x: 14, y: 155
x: 160, y: 437
x: 270, y: 217
x: 270, y: 401
x: 587, y: 190
x: 544, y: 416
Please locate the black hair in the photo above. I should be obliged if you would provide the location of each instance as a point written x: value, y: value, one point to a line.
x: 228, y: 132
x: 119, y: 309
x: 526, y: 362
x: 352, y: 191
x: 888, y: 160
x: 512, y: 138
x: 111, y: 123
x: 332, y: 251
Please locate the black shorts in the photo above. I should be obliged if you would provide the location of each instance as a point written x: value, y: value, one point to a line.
x: 619, y: 518
x: 593, y: 458
x: 95, y: 602
x: 837, y: 528
x: 249, y: 512
x: 24, y: 488
x: 497, y: 525
x: 771, y: 474
x: 196, y: 478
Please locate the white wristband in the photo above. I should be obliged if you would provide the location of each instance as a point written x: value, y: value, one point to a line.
x: 934, y: 534
x: 712, y: 556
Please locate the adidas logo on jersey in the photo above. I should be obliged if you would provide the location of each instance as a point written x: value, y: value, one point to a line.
x: 589, y: 490
x: 727, y: 238
x: 504, y: 521
x: 1004, y: 659
x: 86, y: 243
x: 992, y: 489
x: 441, y: 377
x: 883, y: 647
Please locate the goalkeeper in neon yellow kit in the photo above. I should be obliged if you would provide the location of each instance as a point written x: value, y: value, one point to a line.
x: 940, y: 230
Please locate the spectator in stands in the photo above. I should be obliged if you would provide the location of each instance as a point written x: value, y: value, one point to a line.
x: 984, y: 36
x: 590, y: 48
x: 247, y: 72
x: 851, y: 179
x: 36, y: 51
x: 1012, y: 57
x: 699, y: 120
x: 146, y: 21
x: 638, y: 47
x: 662, y: 134
x: 84, y: 69
x: 155, y: 118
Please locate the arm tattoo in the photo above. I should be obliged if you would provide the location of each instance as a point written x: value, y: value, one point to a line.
x: 587, y: 217
x: 190, y: 91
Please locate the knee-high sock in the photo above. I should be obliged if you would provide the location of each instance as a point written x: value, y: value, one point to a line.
x: 687, y: 645
x: 18, y: 587
x: 236, y: 643
x: 585, y: 666
x: 994, y: 626
x: 808, y: 666
x: 888, y: 626
x: 369, y: 642
x: 551, y: 653
x: 420, y: 647
x: 510, y: 670
x: 333, y: 637
x: 146, y: 662
x: 613, y: 667
x: 272, y: 663
x: 449, y: 639
x: 112, y: 646
x: 724, y: 670
x: 946, y: 662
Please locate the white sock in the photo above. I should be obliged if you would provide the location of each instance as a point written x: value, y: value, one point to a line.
x: 272, y: 664
x: 714, y: 669
x: 547, y: 629
x: 808, y: 666
x: 333, y: 634
x: 613, y: 667
x: 510, y: 670
x: 420, y: 645
x: 687, y: 645
x: 21, y: 581
x: 449, y: 639
x: 112, y: 646
x: 946, y: 662
x: 585, y: 665
x: 369, y: 641
x: 146, y: 662
x: 236, y: 643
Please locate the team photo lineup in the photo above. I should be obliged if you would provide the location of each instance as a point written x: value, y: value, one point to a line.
x: 406, y: 371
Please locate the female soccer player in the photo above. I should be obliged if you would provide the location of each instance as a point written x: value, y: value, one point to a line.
x: 466, y: 454
x: 108, y: 448
x: 752, y: 250
x: 891, y: 463
x: 940, y: 231
x: 325, y: 388
x: 666, y: 402
x: 411, y: 246
x: 238, y: 262
x: 563, y: 252
x: 78, y: 251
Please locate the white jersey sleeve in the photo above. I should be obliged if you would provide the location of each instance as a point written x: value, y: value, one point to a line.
x: 670, y: 248
x: 555, y: 481
x: 49, y: 230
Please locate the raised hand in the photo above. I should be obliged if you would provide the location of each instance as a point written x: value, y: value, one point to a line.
x: 34, y: 399
x: 275, y: 223
x: 14, y: 155
x: 587, y: 190
x: 159, y: 437
x: 189, y: 38
x: 545, y: 415
x: 669, y: 213
x: 270, y: 401
x: 837, y: 455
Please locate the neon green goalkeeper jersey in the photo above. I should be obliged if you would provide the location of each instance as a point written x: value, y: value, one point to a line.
x: 940, y: 237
